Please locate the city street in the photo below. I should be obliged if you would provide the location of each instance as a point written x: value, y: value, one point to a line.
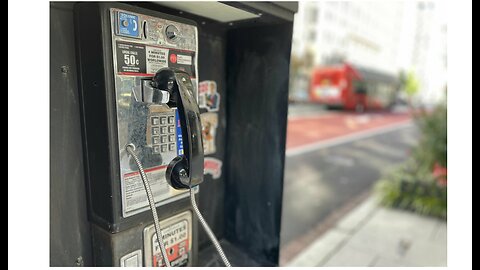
x: 332, y: 160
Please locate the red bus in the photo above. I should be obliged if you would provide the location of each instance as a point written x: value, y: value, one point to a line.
x: 352, y: 87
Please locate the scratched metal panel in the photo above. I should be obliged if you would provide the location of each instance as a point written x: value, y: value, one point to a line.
x: 70, y: 237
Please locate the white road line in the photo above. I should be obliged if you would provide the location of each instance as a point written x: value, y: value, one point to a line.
x: 346, y: 139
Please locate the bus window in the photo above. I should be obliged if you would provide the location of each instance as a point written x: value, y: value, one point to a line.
x: 359, y: 87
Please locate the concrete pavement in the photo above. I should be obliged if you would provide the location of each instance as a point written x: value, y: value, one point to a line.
x: 371, y: 235
x: 332, y: 159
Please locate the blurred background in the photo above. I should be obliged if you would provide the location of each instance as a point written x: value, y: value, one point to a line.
x: 366, y: 168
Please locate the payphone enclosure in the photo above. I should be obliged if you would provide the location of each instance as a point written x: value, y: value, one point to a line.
x: 113, y: 51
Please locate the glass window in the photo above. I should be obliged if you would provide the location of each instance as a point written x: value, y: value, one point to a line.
x: 312, y: 35
x: 312, y: 15
x: 359, y: 87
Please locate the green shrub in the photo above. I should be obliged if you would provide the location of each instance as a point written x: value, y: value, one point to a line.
x: 414, y: 186
x: 433, y: 143
x: 409, y: 189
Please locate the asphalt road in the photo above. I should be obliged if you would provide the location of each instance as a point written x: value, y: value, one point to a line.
x: 320, y: 182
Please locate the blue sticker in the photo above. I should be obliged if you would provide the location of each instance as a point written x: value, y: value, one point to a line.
x: 127, y: 24
x: 179, y: 134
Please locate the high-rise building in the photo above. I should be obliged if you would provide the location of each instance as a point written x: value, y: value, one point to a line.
x: 429, y: 54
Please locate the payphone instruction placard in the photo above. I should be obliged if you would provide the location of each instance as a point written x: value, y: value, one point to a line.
x: 135, y: 193
x: 177, y: 242
x: 177, y: 237
x: 143, y: 60
x: 156, y: 59
x: 131, y: 58
x: 134, y: 199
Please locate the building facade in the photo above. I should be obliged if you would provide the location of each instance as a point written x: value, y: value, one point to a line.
x: 386, y: 36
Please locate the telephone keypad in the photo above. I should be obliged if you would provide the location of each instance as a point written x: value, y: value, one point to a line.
x: 163, y: 120
x: 163, y: 133
x: 163, y: 148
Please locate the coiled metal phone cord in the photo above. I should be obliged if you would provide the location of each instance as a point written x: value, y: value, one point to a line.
x: 208, y: 230
x: 131, y: 150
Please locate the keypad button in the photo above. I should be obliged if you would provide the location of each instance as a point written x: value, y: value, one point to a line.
x: 155, y: 121
x: 155, y: 130
x: 171, y: 129
x: 163, y: 148
x: 163, y: 130
x: 171, y: 147
x: 171, y: 138
x: 156, y: 149
x: 163, y: 120
x: 156, y: 140
x: 171, y: 119
x: 163, y: 139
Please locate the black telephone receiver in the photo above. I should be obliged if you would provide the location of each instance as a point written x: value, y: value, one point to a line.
x: 184, y: 171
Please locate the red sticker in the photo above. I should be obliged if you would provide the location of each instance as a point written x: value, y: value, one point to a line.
x: 173, y: 58
x: 213, y: 166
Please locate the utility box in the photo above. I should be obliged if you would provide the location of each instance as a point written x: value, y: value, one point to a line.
x: 232, y: 62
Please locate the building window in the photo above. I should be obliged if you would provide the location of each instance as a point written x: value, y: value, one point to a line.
x: 312, y: 35
x: 329, y: 16
x: 421, y: 5
x: 312, y: 15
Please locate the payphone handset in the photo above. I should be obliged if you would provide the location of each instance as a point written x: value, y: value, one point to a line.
x: 184, y: 171
x: 169, y: 91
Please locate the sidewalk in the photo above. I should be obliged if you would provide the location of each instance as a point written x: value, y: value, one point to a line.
x: 375, y: 236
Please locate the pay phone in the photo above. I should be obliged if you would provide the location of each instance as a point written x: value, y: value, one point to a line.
x: 138, y: 80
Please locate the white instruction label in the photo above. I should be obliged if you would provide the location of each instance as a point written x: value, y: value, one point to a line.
x: 184, y: 59
x: 156, y: 59
x: 177, y: 237
x: 172, y: 236
x: 134, y: 191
